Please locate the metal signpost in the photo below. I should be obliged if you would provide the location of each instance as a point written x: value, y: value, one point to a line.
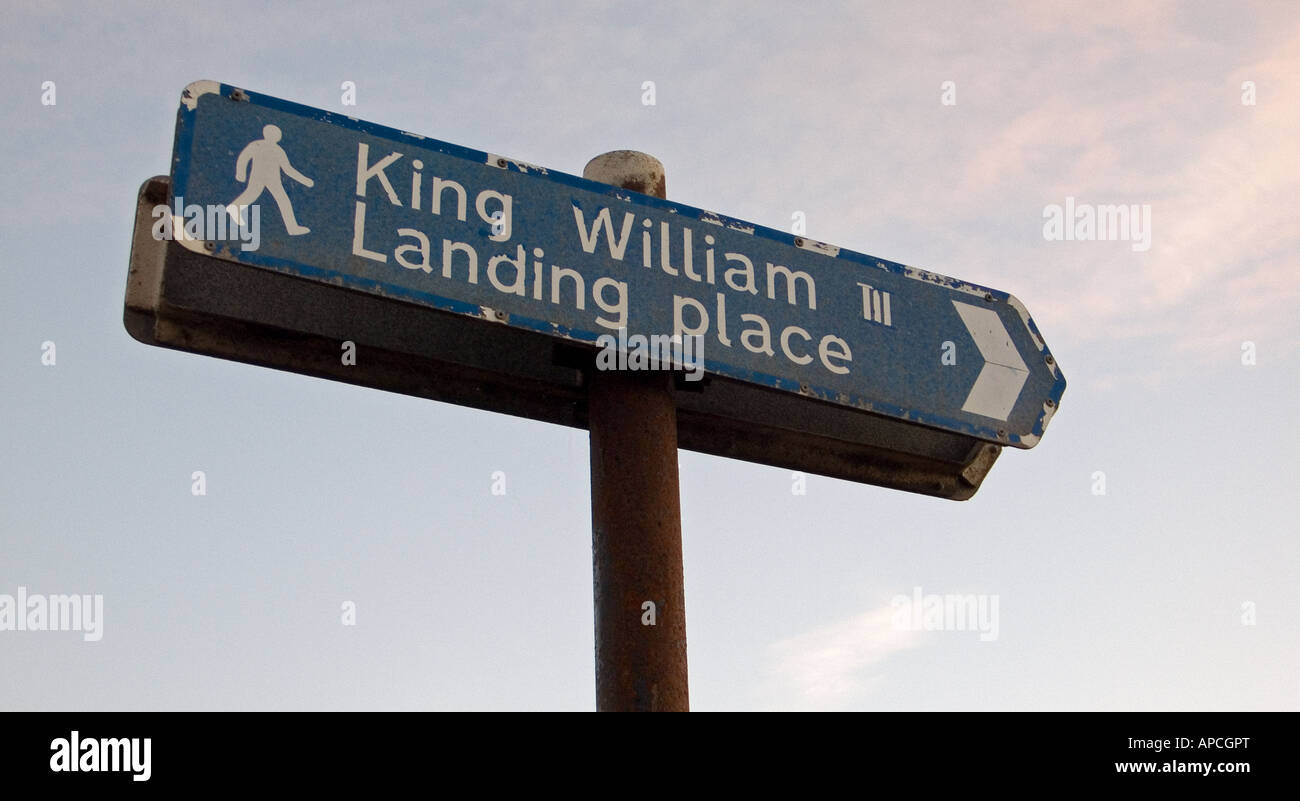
x: 478, y: 279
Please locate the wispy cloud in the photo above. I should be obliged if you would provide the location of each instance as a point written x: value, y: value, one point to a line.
x: 838, y: 662
x: 1220, y: 176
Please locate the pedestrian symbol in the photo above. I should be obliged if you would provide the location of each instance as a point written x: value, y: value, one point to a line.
x: 267, y: 160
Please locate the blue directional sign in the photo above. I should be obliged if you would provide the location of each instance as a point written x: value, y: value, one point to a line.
x: 328, y: 198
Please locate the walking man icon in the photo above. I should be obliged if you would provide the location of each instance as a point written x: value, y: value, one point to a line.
x: 267, y: 160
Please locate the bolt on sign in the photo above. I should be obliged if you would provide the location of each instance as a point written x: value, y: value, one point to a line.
x: 818, y: 358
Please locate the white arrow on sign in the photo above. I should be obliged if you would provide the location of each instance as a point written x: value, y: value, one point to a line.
x: 1004, y: 374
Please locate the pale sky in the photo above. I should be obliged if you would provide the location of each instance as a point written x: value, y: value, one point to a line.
x: 1172, y: 590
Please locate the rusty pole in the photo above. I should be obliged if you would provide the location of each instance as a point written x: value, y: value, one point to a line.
x: 636, y: 525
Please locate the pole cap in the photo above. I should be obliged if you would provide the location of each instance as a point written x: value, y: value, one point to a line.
x: 629, y: 169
